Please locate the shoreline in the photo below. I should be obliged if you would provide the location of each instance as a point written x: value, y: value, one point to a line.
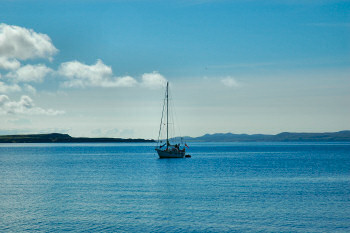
x: 341, y: 136
x: 63, y: 138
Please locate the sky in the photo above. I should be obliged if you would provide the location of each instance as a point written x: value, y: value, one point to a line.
x: 97, y: 68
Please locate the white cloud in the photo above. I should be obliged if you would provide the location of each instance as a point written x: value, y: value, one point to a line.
x: 111, y: 132
x: 97, y: 75
x: 153, y: 80
x: 9, y: 64
x: 3, y: 99
x: 18, y: 43
x: 22, y: 43
x: 30, y: 89
x: 24, y: 106
x: 126, y: 81
x: 92, y: 73
x: 230, y: 82
x: 4, y: 88
x: 30, y: 73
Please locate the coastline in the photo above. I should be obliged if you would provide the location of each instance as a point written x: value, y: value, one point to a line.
x: 63, y: 138
x: 341, y: 136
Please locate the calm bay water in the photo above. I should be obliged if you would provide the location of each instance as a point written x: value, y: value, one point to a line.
x: 224, y: 187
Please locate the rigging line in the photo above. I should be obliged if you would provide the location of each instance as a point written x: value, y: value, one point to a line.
x: 171, y: 117
x: 175, y: 119
x: 161, y: 122
x: 167, y: 115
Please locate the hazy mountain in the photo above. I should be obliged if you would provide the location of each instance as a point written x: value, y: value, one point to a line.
x: 282, y: 137
x: 341, y: 136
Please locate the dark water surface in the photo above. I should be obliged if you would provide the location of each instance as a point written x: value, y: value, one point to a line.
x: 224, y: 187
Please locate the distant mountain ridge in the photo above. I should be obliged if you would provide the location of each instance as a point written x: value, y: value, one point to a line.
x: 341, y: 136
x: 60, y: 138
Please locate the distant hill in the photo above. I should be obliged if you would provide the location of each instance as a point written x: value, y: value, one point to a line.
x: 62, y: 138
x: 341, y: 136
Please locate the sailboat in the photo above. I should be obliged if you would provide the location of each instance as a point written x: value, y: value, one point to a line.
x: 168, y: 150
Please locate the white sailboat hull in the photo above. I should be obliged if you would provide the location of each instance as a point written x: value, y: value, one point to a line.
x: 163, y: 154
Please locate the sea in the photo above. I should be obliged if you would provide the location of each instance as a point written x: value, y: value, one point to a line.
x: 223, y: 187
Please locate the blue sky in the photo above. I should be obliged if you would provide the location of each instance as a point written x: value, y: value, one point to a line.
x: 234, y: 66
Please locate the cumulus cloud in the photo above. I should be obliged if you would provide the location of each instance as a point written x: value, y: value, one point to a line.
x: 9, y: 64
x: 111, y: 132
x: 22, y: 43
x: 126, y: 81
x: 229, y: 82
x: 24, y: 106
x: 18, y: 44
x: 4, y: 88
x: 29, y: 73
x: 30, y: 89
x: 153, y: 80
x: 97, y: 75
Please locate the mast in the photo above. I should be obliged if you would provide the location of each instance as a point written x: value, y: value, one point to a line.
x: 167, y: 114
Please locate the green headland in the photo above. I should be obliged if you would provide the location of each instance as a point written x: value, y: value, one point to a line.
x: 61, y: 138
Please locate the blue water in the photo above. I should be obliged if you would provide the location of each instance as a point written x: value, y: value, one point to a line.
x: 224, y: 187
